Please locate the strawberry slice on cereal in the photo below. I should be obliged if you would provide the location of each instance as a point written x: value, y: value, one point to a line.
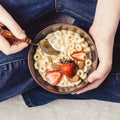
x: 68, y: 69
x: 53, y: 77
x: 79, y: 55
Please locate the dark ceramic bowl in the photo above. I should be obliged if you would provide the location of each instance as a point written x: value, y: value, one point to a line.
x: 44, y: 33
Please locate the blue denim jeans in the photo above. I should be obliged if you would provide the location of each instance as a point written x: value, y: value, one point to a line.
x: 15, y: 77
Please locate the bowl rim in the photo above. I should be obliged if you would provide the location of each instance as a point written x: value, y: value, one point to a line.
x: 35, y: 77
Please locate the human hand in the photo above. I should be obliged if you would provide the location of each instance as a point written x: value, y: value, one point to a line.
x: 103, y: 32
x: 104, y: 47
x: 5, y: 46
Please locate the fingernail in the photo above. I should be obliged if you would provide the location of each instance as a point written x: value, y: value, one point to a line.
x: 21, y: 34
x: 90, y: 80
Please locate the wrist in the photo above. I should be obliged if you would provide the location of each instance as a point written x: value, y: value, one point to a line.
x: 99, y: 33
x: 106, y: 21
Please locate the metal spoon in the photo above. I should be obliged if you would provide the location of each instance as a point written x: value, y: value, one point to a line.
x: 43, y: 44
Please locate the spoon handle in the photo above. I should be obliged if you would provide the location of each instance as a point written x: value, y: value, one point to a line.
x: 9, y: 35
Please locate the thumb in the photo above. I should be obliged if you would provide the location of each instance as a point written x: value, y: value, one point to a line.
x: 101, y: 72
x: 9, y: 22
x: 93, y: 76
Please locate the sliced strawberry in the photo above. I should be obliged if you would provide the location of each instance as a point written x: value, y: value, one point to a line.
x: 53, y: 77
x: 80, y: 55
x: 68, y: 69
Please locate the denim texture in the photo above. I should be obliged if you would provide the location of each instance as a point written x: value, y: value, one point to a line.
x: 15, y: 77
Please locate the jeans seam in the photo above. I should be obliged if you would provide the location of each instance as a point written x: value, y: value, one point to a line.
x: 77, y: 15
x: 41, y: 14
x: 28, y: 100
x: 117, y: 73
x: 58, y: 6
x: 13, y: 61
x: 46, y: 11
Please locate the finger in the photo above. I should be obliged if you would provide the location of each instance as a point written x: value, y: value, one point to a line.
x: 9, y: 22
x: 8, y: 49
x: 89, y: 87
x: 1, y: 25
x: 92, y: 85
x: 102, y: 71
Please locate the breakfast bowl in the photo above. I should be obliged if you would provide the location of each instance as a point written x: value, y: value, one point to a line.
x: 67, y: 71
